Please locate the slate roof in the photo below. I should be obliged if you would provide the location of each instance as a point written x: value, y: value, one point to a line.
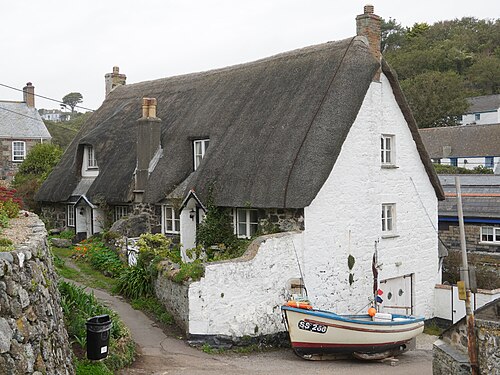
x: 18, y: 121
x: 480, y: 196
x: 485, y: 103
x: 462, y: 141
x: 276, y: 127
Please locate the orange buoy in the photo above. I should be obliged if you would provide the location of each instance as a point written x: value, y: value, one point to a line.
x: 372, y: 311
x: 299, y: 305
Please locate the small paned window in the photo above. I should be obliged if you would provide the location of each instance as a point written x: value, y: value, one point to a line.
x: 200, y: 148
x: 387, y: 149
x: 388, y: 217
x: 91, y: 160
x: 171, y: 220
x: 454, y: 162
x: 490, y: 234
x: 70, y: 215
x: 477, y: 116
x: 18, y: 151
x: 120, y: 212
x: 436, y: 161
x: 245, y: 222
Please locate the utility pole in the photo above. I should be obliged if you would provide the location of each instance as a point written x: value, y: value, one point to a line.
x: 471, y: 337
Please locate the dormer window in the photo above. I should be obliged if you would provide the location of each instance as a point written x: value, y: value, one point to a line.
x: 200, y: 148
x: 89, y: 163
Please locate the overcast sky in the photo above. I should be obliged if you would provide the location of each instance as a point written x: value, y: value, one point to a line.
x: 67, y: 46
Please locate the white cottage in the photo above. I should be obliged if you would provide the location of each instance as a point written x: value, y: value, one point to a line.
x: 319, y: 142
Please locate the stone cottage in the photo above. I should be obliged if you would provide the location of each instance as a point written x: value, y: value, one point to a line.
x: 21, y: 127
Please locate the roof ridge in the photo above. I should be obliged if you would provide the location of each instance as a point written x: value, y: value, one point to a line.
x: 281, y: 55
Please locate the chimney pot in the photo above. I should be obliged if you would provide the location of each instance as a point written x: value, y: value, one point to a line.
x: 114, y: 79
x: 369, y: 9
x: 29, y: 95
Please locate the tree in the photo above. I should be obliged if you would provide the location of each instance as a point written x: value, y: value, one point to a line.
x: 72, y: 100
x: 37, y: 166
x: 436, y: 98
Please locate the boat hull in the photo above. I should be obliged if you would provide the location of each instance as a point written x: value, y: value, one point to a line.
x: 321, y: 332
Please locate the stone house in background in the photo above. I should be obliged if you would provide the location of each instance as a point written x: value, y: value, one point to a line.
x: 318, y: 140
x: 481, y: 208
x: 466, y: 146
x: 21, y: 127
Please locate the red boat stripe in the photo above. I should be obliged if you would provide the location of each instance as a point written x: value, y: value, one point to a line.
x: 325, y: 345
x: 364, y: 329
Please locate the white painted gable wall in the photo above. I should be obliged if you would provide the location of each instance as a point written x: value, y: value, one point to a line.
x: 345, y: 217
x: 239, y: 298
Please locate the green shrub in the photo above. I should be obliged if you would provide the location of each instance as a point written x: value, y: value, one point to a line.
x: 4, y: 220
x: 86, y: 367
x: 135, y: 282
x: 78, y: 306
x: 100, y: 257
x: 66, y: 234
x: 449, y: 169
x: 194, y: 270
x: 152, y: 305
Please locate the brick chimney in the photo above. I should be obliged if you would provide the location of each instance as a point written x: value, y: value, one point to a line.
x: 148, y: 145
x: 114, y: 79
x: 368, y: 25
x: 29, y: 95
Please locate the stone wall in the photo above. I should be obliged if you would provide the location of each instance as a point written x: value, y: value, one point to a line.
x: 447, y: 360
x: 8, y: 168
x: 174, y: 297
x: 286, y: 219
x: 449, y: 233
x: 54, y: 215
x: 488, y: 344
x: 33, y: 338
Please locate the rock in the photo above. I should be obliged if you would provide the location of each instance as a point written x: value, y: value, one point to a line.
x: 5, y: 336
x: 132, y: 226
x: 7, y: 256
x: 24, y: 298
x: 61, y: 242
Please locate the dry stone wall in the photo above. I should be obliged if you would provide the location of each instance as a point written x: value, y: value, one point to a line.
x: 33, y: 338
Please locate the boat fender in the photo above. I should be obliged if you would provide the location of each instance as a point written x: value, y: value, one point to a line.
x: 299, y: 305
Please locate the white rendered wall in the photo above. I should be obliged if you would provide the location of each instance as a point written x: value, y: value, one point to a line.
x: 485, y: 118
x: 345, y: 217
x: 243, y: 296
x: 472, y: 162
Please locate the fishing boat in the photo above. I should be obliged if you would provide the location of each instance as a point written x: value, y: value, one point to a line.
x: 317, y: 334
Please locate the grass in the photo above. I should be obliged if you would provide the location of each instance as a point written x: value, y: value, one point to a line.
x: 152, y: 305
x: 80, y: 271
x: 433, y: 329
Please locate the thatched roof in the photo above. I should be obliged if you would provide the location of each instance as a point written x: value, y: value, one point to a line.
x: 276, y: 127
x: 462, y: 141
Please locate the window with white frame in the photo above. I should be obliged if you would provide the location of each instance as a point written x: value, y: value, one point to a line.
x: 245, y: 222
x: 489, y: 162
x: 171, y: 220
x: 388, y: 217
x: 454, y: 162
x: 477, y: 116
x: 90, y: 157
x: 490, y: 234
x: 199, y: 149
x: 18, y: 150
x: 120, y: 212
x: 70, y: 215
x: 387, y: 149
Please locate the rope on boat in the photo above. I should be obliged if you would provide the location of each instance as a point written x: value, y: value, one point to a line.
x: 300, y: 269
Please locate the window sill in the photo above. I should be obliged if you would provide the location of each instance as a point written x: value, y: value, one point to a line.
x: 388, y: 235
x: 92, y: 168
x: 388, y: 166
x: 489, y: 243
